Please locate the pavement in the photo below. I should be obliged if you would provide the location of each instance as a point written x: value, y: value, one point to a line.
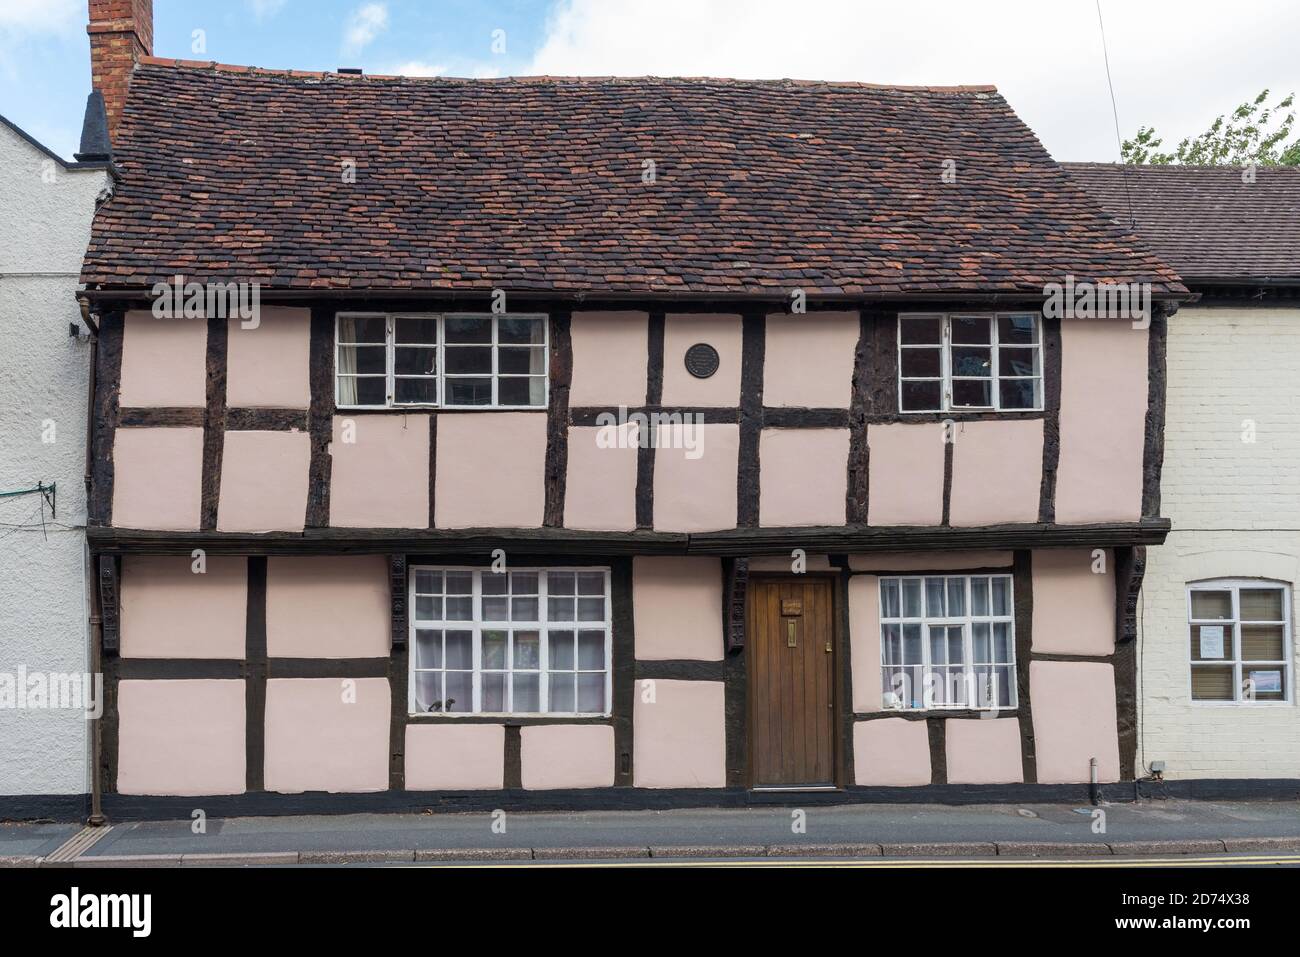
x: 1265, y: 831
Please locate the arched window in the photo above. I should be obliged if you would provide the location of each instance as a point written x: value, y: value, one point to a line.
x: 1240, y: 641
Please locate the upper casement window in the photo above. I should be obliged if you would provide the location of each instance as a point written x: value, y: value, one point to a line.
x: 525, y: 642
x: 451, y: 361
x: 947, y: 641
x: 970, y: 362
x: 1240, y: 641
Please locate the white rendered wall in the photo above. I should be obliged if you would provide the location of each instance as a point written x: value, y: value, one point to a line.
x: 44, y: 228
x: 1235, y: 507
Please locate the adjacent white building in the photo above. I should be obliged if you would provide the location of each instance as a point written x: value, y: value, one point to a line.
x: 1217, y: 652
x: 46, y: 205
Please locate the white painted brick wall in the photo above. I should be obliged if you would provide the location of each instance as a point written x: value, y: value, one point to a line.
x: 1235, y: 508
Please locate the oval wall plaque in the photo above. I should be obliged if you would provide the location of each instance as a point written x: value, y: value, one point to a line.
x: 702, y: 360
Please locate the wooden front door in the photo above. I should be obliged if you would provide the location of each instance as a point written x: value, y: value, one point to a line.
x: 791, y: 641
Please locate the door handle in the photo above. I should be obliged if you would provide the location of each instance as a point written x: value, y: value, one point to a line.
x: 790, y: 633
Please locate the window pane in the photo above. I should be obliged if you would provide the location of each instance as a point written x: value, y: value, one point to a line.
x: 956, y: 646
x: 520, y: 330
x: 979, y: 596
x: 1018, y: 393
x: 428, y: 691
x: 459, y: 649
x: 1262, y: 643
x: 1001, y: 596
x: 956, y: 597
x: 460, y: 695
x: 561, y: 693
x: 912, y: 644
x: 972, y: 362
x: 460, y: 609
x: 416, y: 391
x: 1261, y: 604
x: 1021, y: 328
x: 1211, y: 605
x: 460, y: 583
x: 983, y: 648
x: 968, y: 392
x: 527, y: 650
x: 591, y: 583
x: 1018, y: 362
x: 911, y: 598
x: 1264, y: 685
x: 468, y: 391
x: 591, y: 693
x: 921, y: 329
x: 591, y: 650
x: 559, y: 609
x: 494, y: 692
x: 934, y: 589
x: 527, y: 693
x: 892, y: 644
x: 411, y: 360
x: 1212, y: 683
x: 363, y: 329
x: 921, y: 396
x: 921, y: 363
x: 523, y: 583
x: 494, y: 649
x: 937, y: 646
x: 520, y: 361
x: 358, y: 390
x: 561, y: 583
x: 973, y: 329
x: 427, y: 582
x: 523, y: 609
x: 468, y: 329
x: 428, y: 608
x: 428, y: 649
x: 1211, y: 642
x: 423, y: 330
x: 463, y: 360
x: 561, y: 650
x: 521, y: 391
x: 1002, y: 652
x: 591, y: 609
x: 495, y: 583
x: 889, y: 598
x: 363, y: 360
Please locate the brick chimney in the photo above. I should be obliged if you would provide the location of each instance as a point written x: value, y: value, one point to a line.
x: 121, y: 31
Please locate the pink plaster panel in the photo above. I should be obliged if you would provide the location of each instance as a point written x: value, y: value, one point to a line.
x: 328, y: 606
x: 170, y: 611
x: 181, y: 737
x: 997, y: 472
x: 158, y: 478
x: 1103, y: 421
x: 808, y: 360
x: 327, y: 734
x: 696, y: 494
x: 677, y: 608
x: 928, y: 561
x: 567, y: 756
x: 905, y: 474
x: 1074, y: 607
x: 164, y: 361
x: 864, y: 642
x: 1073, y: 705
x: 455, y: 757
x: 610, y: 352
x: 264, y: 479
x: 803, y: 477
x: 983, y: 751
x: 600, y: 488
x: 891, y: 752
x: 679, y: 738
x: 720, y: 390
x: 266, y: 366
x: 380, y: 479
x: 491, y: 470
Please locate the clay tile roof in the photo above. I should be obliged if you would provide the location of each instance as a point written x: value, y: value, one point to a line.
x: 1204, y: 220
x: 537, y: 184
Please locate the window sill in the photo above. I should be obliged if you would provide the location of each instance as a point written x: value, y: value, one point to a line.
x: 507, y: 719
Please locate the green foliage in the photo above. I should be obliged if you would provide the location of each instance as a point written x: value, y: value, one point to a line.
x: 1252, y: 133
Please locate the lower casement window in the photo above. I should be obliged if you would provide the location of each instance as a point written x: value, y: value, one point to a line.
x: 523, y: 642
x: 1240, y: 632
x: 947, y: 641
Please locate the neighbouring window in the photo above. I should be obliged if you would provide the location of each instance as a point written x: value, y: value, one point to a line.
x: 947, y: 641
x: 532, y: 641
x: 453, y: 360
x: 970, y: 362
x: 1240, y: 641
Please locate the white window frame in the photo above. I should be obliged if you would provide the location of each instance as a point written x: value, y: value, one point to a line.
x: 477, y: 625
x: 1235, y: 586
x: 946, y: 378
x: 441, y: 376
x: 968, y: 639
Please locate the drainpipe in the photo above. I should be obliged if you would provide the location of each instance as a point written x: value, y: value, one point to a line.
x: 1094, y: 790
x: 96, y: 622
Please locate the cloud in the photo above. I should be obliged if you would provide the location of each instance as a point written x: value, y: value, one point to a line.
x: 42, y: 16
x: 1045, y: 58
x: 365, y: 23
x: 265, y: 9
x: 415, y: 68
